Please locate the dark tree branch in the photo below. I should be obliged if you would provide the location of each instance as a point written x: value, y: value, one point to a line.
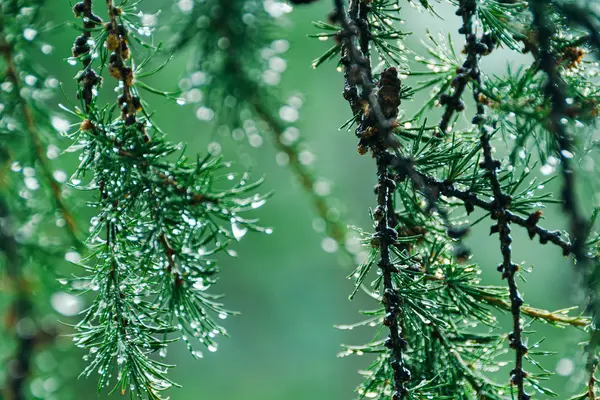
x: 474, y: 49
x: 556, y: 91
x: 433, y: 188
x: 377, y: 111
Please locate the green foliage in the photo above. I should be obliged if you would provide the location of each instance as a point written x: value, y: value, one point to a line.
x: 428, y: 342
x: 238, y: 48
x: 37, y: 228
x: 160, y: 217
x: 236, y: 60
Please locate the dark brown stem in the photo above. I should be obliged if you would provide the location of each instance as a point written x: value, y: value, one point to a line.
x: 117, y: 41
x: 556, y: 91
x: 433, y: 188
x: 474, y: 49
x: 376, y: 112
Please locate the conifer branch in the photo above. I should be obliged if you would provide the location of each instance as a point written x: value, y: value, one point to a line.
x: 374, y: 125
x: 557, y: 93
x: 26, y: 199
x: 162, y: 221
x: 12, y: 76
x: 230, y: 71
x: 474, y: 48
x: 434, y: 188
x: 374, y: 130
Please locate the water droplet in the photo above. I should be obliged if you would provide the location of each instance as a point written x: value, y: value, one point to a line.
x: 307, y: 157
x: 232, y: 252
x: 214, y: 148
x: 73, y: 257
x: 46, y: 49
x: 322, y: 187
x: 197, y: 354
x: 60, y: 176
x: 66, y: 303
x: 289, y: 114
x: 329, y: 245
x: 29, y: 34
x: 565, y: 367
x: 566, y: 154
x: 237, y: 230
x: 282, y: 159
x: 271, y: 77
x: 60, y: 124
x: 546, y: 169
x: 255, y: 140
x: 277, y: 64
x: 204, y: 113
x: 32, y: 183
x: 30, y: 80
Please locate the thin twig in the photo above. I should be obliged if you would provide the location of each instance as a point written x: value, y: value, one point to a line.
x: 434, y: 187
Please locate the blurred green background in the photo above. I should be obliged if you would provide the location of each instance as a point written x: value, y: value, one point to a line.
x: 289, y: 291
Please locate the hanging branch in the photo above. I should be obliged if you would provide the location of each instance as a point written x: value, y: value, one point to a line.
x: 229, y: 49
x: 374, y: 131
x: 557, y: 93
x: 37, y: 228
x: 12, y: 76
x: 162, y: 219
x: 429, y: 172
x: 474, y: 48
x: 20, y: 309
